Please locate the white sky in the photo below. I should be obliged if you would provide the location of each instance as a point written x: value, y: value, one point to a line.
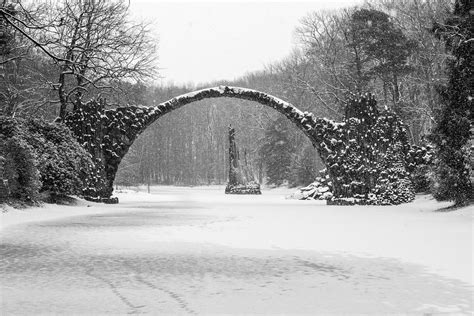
x: 206, y: 41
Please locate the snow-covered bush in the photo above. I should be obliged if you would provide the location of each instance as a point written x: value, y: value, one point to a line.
x: 41, y: 156
x: 20, y: 173
x: 248, y: 188
x: 451, y: 168
x: 366, y: 155
x: 420, y: 160
x: 20, y: 170
x: 62, y: 162
x: 320, y: 189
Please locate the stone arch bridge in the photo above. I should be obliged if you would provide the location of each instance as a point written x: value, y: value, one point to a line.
x: 107, y: 134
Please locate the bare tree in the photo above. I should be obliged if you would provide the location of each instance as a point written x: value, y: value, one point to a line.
x: 308, y: 83
x: 93, y: 45
x: 417, y: 90
x: 22, y: 67
x: 330, y: 68
x: 97, y: 45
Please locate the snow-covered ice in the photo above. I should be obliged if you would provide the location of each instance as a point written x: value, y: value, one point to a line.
x: 196, y: 250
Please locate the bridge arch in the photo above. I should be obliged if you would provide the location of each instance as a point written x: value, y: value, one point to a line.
x: 145, y: 116
x: 108, y: 133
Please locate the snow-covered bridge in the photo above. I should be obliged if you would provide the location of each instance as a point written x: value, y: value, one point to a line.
x: 108, y: 134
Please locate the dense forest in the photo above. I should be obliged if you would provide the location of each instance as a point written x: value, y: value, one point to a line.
x: 55, y: 52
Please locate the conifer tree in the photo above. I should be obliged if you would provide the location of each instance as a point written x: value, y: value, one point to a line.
x: 451, y: 171
x: 383, y: 48
x: 304, y: 167
x: 277, y: 152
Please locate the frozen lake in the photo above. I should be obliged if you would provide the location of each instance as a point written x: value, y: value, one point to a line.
x: 198, y: 251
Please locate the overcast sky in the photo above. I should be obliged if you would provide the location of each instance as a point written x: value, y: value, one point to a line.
x: 205, y: 41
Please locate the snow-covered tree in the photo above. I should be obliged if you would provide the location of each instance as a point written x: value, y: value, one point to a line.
x: 454, y: 119
x: 41, y: 157
x: 277, y: 152
x: 383, y: 50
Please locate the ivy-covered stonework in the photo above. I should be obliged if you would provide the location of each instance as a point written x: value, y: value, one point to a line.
x: 368, y: 162
x: 366, y: 155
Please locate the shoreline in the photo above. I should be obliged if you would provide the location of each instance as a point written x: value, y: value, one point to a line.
x: 10, y: 216
x: 415, y: 233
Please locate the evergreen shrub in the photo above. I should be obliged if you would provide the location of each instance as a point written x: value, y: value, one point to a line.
x: 451, y: 171
x: 39, y: 156
x: 62, y: 162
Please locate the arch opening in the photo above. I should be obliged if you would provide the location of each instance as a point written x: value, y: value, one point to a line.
x: 190, y: 146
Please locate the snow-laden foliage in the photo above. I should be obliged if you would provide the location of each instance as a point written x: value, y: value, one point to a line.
x: 62, y: 162
x: 452, y: 172
x: 320, y: 189
x: 367, y: 156
x: 420, y: 160
x: 41, y: 157
x: 384, y: 47
x: 21, y: 179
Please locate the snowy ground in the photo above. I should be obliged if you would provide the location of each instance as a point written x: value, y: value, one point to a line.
x: 198, y: 251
